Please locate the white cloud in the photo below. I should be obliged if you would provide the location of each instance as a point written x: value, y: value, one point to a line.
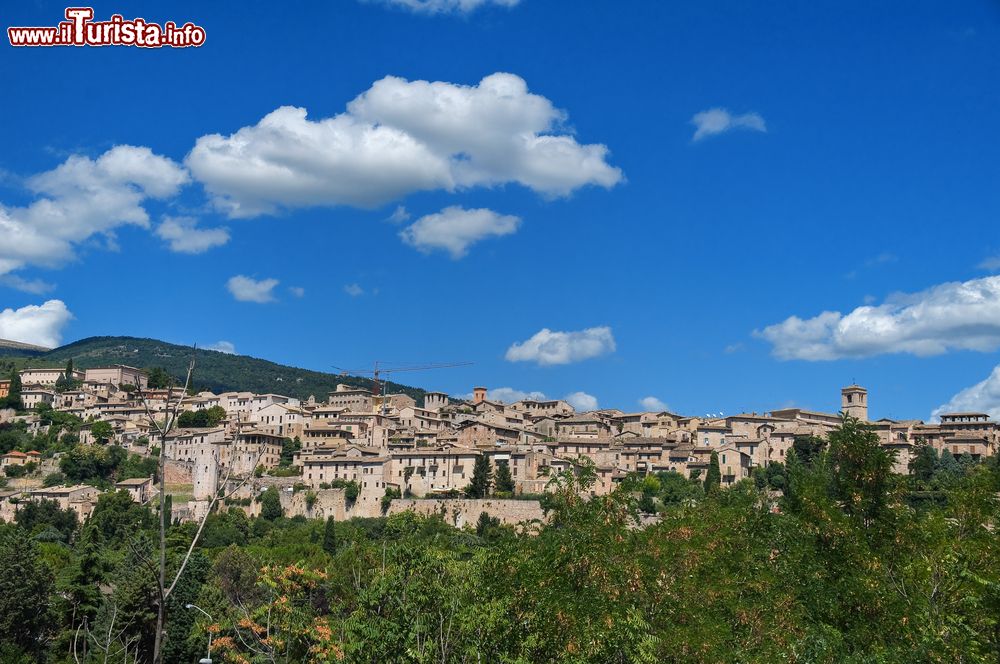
x: 581, y: 401
x: 354, y: 290
x: 246, y: 289
x: 448, y: 6
x: 82, y: 198
x: 548, y: 348
x: 990, y: 264
x: 455, y: 229
x: 184, y: 236
x: 652, y: 404
x: 399, y: 215
x: 983, y: 397
x: 35, y: 324
x: 507, y: 395
x: 396, y: 138
x: 719, y: 120
x: 226, y: 347
x: 33, y: 286
x: 297, y: 291
x: 950, y: 316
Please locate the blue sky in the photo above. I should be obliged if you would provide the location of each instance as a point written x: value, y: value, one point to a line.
x: 855, y: 161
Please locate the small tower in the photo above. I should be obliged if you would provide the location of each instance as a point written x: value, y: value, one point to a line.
x: 478, y: 395
x: 854, y: 402
x: 435, y: 400
x: 205, y: 477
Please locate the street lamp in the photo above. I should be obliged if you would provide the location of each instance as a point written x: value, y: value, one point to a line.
x: 205, y: 660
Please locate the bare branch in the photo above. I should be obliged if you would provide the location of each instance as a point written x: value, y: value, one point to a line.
x: 211, y: 506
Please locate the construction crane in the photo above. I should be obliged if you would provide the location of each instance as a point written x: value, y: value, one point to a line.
x: 379, y: 372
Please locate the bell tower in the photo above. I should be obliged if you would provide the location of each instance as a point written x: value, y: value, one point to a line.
x: 854, y: 402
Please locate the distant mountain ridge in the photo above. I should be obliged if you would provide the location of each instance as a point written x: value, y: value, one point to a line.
x: 8, y: 347
x: 214, y: 371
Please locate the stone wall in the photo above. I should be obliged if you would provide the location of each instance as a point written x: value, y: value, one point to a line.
x: 465, y: 511
x: 177, y: 472
x: 327, y: 502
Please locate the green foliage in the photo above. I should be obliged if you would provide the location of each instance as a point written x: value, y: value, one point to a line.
x: 101, y: 431
x: 13, y: 398
x: 289, y: 446
x: 844, y: 571
x: 25, y: 593
x: 330, y: 536
x: 200, y: 419
x: 21, y: 470
x: 157, y: 378
x: 713, y: 478
x: 487, y: 526
x: 924, y: 463
x: 351, y: 489
x: 675, y: 489
x: 53, y: 479
x: 391, y: 493
x: 36, y: 516
x: 270, y: 504
x: 862, y: 471
x: 482, y: 478
x: 116, y: 517
x: 91, y: 464
x: 772, y: 476
x: 808, y: 448
x: 504, y: 480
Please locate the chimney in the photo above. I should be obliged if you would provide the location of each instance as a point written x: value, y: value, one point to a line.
x: 478, y: 395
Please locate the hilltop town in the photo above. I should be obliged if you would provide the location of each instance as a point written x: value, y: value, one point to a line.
x: 359, y: 453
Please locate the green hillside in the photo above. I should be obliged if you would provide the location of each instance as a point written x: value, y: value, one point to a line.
x: 18, y: 349
x: 215, y: 371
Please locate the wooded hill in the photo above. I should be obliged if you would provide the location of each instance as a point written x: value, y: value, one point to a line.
x: 215, y: 371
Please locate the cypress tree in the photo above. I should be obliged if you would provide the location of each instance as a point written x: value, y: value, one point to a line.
x: 330, y: 536
x: 713, y: 479
x: 482, y: 476
x: 270, y: 505
x: 13, y: 399
x: 504, y: 482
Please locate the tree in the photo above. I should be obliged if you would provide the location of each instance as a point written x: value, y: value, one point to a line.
x: 924, y: 463
x: 330, y: 536
x: 13, y: 398
x: 102, y: 431
x: 77, y: 584
x: 713, y: 478
x: 36, y: 516
x: 862, y: 471
x: 504, y: 481
x: 486, y: 525
x: 25, y: 592
x: 948, y: 468
x: 391, y: 493
x: 808, y: 448
x: 117, y: 517
x: 289, y: 446
x: 157, y: 378
x: 482, y: 478
x: 53, y: 479
x: 270, y: 504
x: 675, y: 489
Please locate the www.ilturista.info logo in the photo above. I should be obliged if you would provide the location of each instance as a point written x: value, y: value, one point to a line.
x: 79, y: 29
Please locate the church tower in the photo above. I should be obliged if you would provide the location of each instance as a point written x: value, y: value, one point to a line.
x: 854, y: 402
